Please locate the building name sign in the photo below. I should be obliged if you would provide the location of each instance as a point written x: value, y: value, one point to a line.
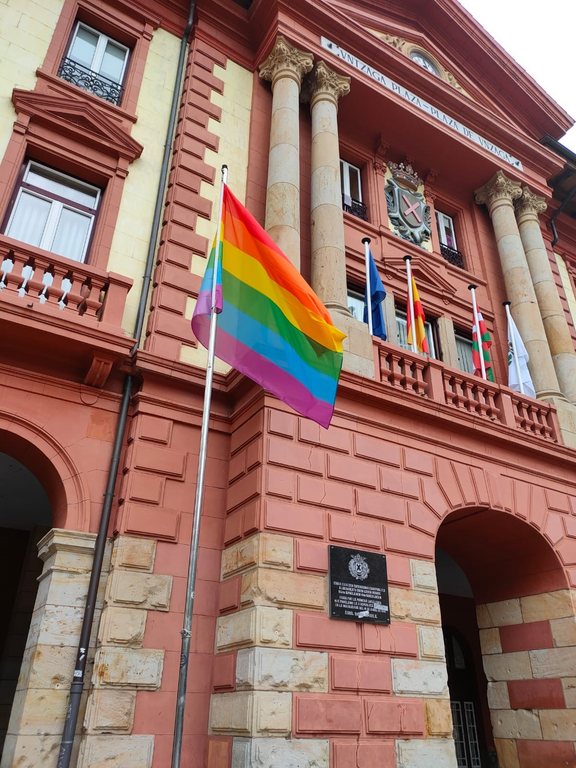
x: 420, y: 103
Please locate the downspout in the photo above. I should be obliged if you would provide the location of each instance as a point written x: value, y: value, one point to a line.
x: 77, y: 685
x: 557, y: 213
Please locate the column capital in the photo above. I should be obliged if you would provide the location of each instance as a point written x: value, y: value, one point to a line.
x: 499, y: 189
x: 529, y: 206
x: 286, y: 60
x: 325, y: 84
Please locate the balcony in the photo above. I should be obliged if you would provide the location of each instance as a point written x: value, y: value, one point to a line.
x: 452, y: 256
x: 355, y: 207
x: 461, y: 394
x: 54, y: 304
x: 90, y: 81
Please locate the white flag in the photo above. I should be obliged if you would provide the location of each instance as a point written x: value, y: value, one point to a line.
x: 522, y: 366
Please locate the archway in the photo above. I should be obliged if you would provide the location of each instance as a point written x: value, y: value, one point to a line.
x: 25, y: 517
x: 510, y: 632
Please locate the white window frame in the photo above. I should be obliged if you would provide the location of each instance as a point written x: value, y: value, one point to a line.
x: 345, y: 168
x: 57, y: 206
x: 356, y: 300
x: 103, y: 41
x: 460, y: 337
x: 402, y: 320
x: 441, y: 220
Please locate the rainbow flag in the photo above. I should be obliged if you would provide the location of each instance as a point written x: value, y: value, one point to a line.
x: 486, y: 344
x: 419, y: 320
x: 271, y: 325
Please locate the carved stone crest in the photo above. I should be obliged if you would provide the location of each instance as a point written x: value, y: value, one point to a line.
x: 407, y: 208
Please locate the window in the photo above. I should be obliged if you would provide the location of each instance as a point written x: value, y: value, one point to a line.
x: 95, y: 63
x: 53, y: 211
x: 447, y: 236
x: 424, y: 62
x: 351, y: 187
x: 429, y: 330
x: 356, y: 302
x: 464, y: 350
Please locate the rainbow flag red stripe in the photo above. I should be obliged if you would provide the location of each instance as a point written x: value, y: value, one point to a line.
x: 271, y: 325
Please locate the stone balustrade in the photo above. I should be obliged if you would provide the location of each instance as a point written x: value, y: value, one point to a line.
x: 30, y: 277
x: 430, y: 379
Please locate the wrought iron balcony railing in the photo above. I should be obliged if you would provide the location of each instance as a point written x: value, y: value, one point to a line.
x: 452, y: 256
x: 355, y: 207
x: 90, y: 81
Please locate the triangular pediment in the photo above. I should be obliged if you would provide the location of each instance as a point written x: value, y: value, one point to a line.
x: 77, y: 118
x: 466, y: 58
x: 424, y: 272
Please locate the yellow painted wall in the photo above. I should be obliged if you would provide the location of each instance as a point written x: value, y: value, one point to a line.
x: 567, y: 285
x: 132, y: 233
x: 26, y: 28
x: 234, y: 133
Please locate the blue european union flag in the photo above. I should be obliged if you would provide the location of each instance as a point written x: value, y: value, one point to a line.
x: 378, y: 295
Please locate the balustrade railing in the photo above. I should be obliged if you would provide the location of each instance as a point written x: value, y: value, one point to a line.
x: 39, y: 278
x: 428, y: 378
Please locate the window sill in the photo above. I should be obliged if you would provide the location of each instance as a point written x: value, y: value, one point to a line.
x: 57, y: 83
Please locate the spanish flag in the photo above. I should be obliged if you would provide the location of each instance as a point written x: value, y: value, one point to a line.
x: 419, y: 320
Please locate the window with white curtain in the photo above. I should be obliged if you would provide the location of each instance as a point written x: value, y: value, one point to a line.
x: 446, y: 231
x: 402, y: 330
x: 98, y: 53
x: 53, y: 211
x: 356, y: 302
x: 464, y: 350
x: 350, y: 182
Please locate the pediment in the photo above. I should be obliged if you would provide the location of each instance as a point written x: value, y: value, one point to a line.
x: 424, y: 272
x: 79, y: 119
x: 469, y: 60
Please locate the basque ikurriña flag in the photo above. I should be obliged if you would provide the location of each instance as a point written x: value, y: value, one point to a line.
x: 486, y: 342
x: 271, y: 327
x: 419, y: 320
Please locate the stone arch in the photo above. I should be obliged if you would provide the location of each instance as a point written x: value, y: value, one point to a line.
x: 513, y: 542
x: 54, y: 468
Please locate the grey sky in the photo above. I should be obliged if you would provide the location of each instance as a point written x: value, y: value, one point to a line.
x: 540, y: 36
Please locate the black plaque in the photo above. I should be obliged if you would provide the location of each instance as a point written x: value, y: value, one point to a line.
x: 358, y: 586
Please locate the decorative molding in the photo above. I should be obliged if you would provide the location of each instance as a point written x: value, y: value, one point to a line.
x: 324, y: 84
x: 286, y: 61
x: 99, y: 370
x: 530, y: 204
x: 79, y: 119
x: 499, y: 188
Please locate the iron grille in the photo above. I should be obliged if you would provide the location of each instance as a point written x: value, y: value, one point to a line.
x: 452, y: 256
x: 90, y: 81
x: 355, y: 207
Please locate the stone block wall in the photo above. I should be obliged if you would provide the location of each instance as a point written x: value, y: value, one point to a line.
x: 122, y: 666
x: 529, y: 654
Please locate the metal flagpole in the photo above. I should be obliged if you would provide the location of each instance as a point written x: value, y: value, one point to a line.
x: 408, y: 259
x: 514, y: 350
x: 472, y: 289
x: 366, y: 242
x: 189, y: 604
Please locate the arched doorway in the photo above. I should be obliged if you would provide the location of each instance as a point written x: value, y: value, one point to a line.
x: 25, y: 517
x: 510, y: 637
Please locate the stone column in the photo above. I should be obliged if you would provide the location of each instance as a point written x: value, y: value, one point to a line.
x: 284, y: 68
x: 328, y: 250
x: 557, y: 332
x: 498, y: 195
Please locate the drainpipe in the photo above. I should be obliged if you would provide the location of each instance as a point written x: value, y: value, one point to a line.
x: 557, y: 213
x: 77, y: 685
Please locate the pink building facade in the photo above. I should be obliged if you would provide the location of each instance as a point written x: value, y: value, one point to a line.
x: 328, y: 115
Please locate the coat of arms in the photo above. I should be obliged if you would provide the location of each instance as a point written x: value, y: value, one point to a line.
x: 407, y: 208
x: 358, y: 567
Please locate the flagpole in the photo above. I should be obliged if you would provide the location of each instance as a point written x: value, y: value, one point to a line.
x: 514, y: 350
x: 193, y: 561
x: 366, y: 242
x: 408, y: 259
x: 472, y: 289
